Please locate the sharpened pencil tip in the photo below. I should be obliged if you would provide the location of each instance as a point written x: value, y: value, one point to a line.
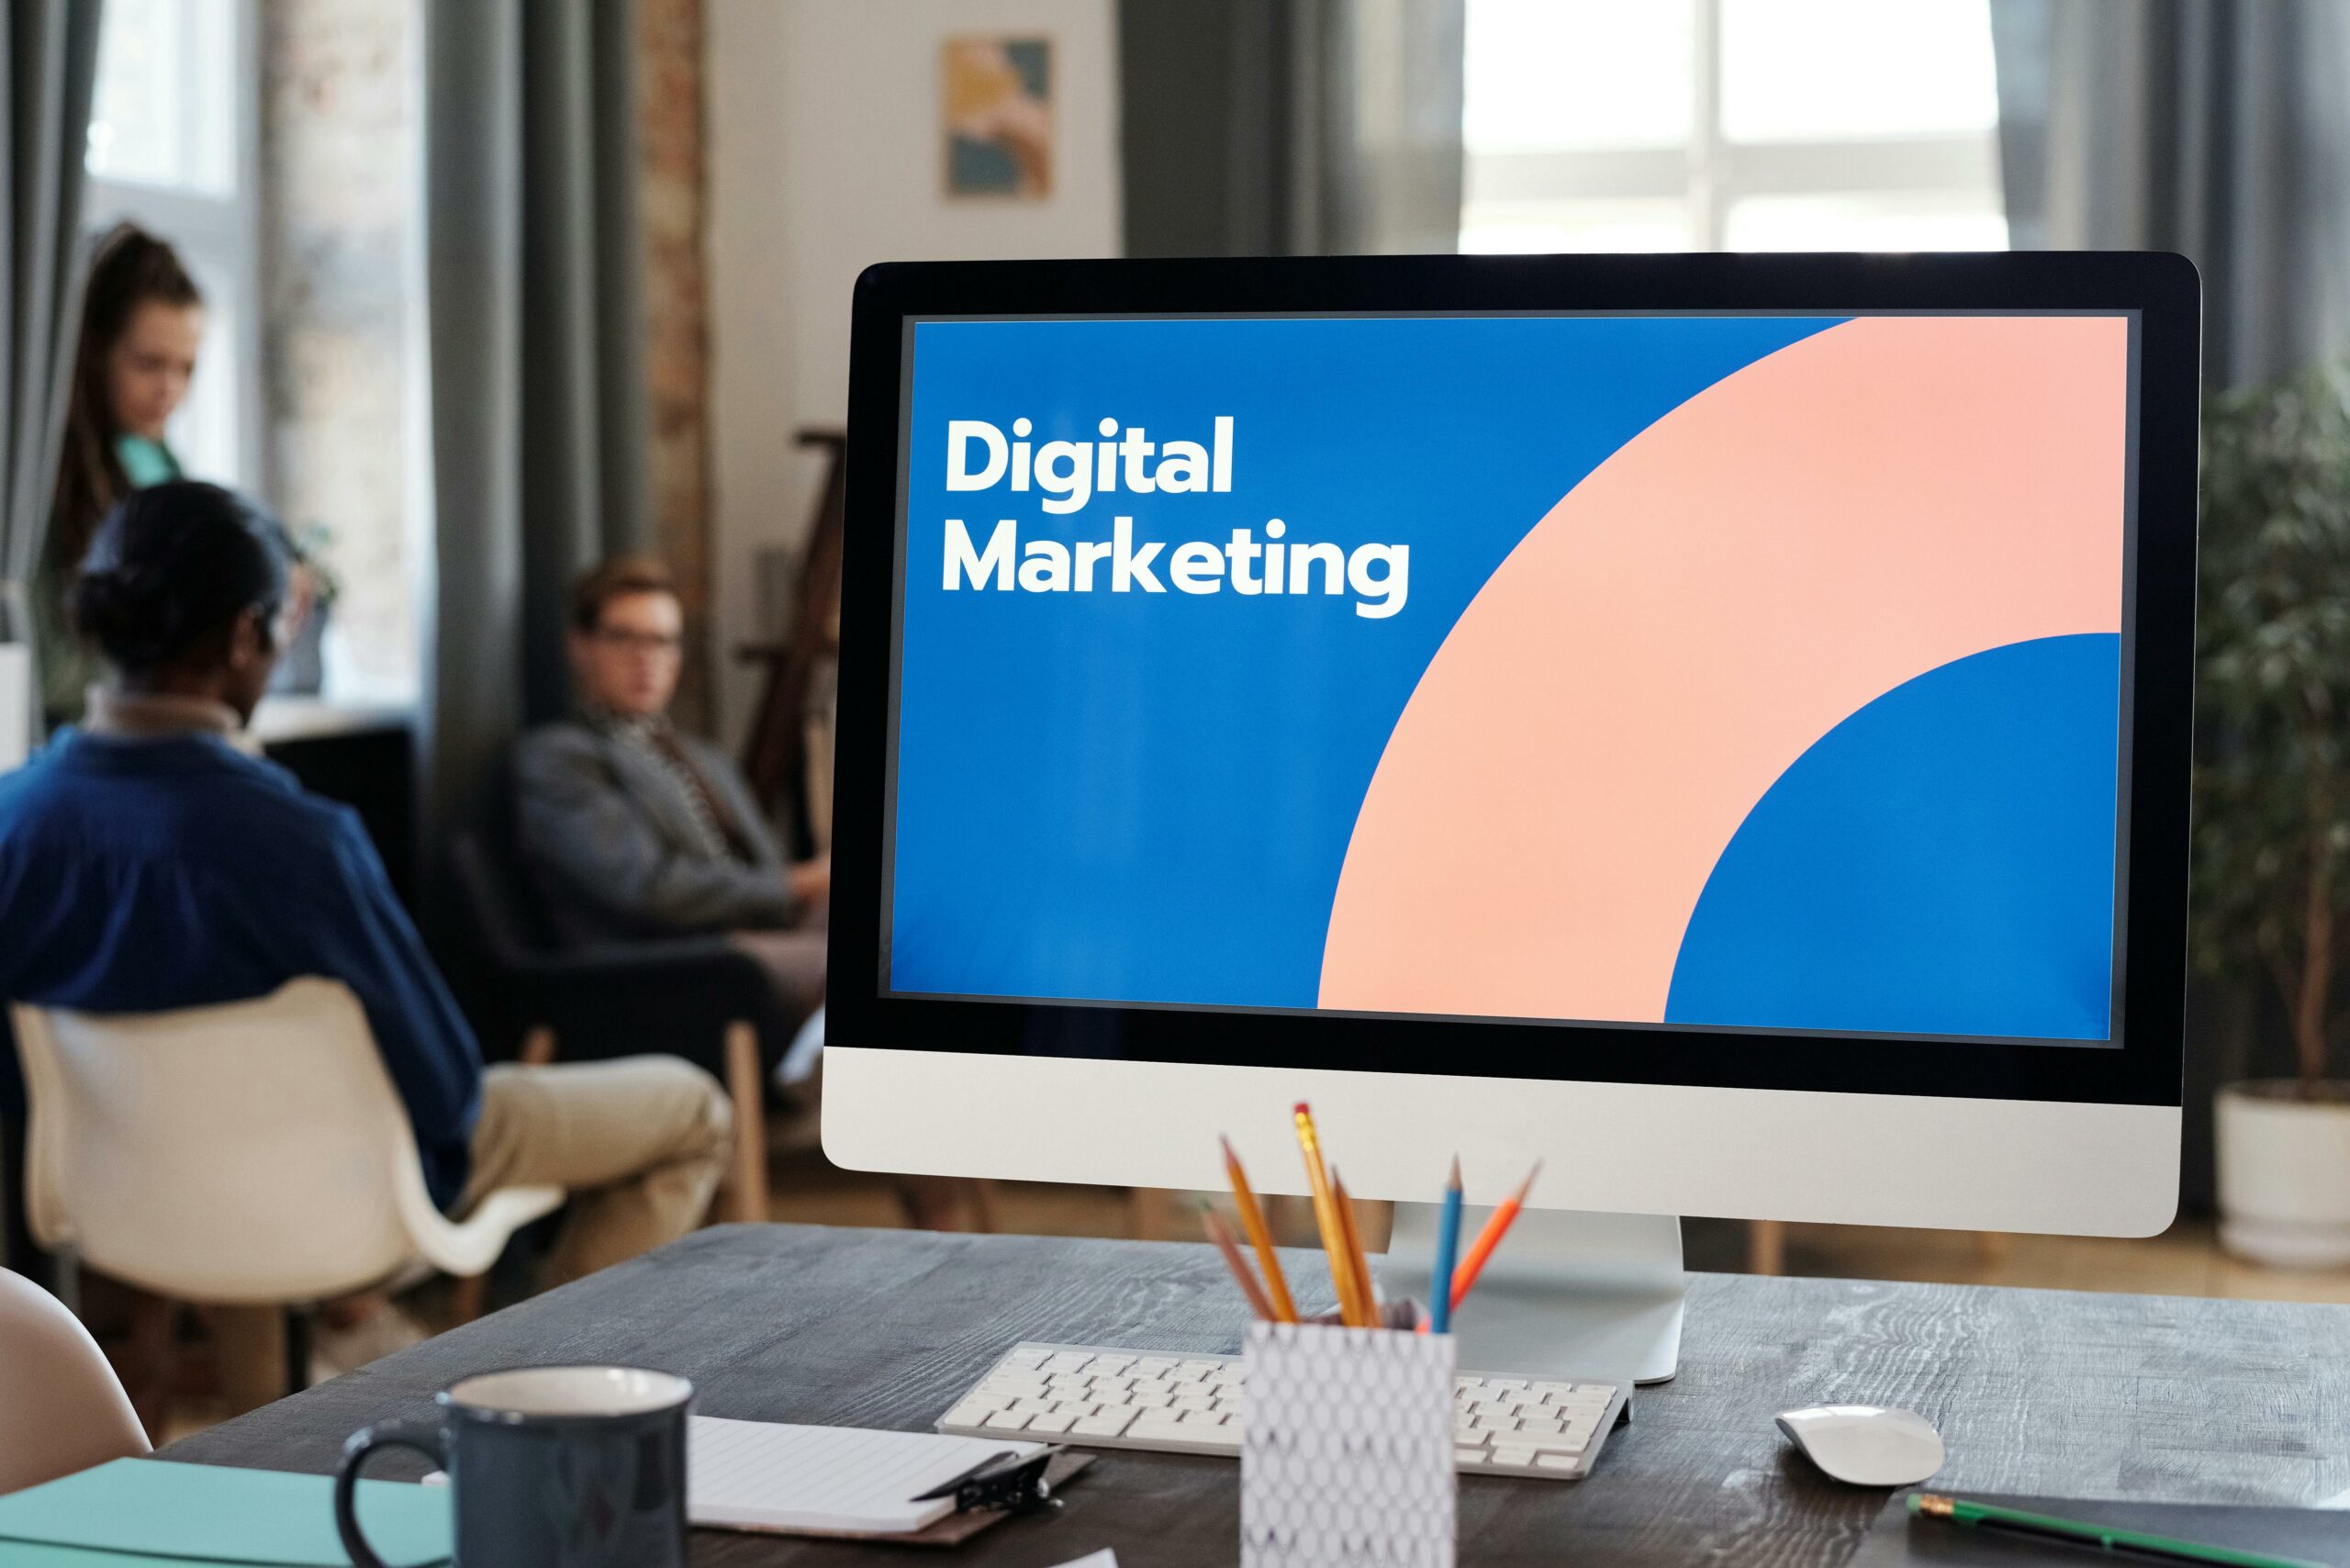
x: 1454, y: 1183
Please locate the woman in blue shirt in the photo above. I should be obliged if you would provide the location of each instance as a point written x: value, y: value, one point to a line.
x: 147, y: 864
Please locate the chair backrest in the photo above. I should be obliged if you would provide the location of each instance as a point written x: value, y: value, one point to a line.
x: 65, y: 1410
x: 503, y: 916
x: 252, y: 1152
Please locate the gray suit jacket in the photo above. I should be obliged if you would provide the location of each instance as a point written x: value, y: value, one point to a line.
x: 611, y: 841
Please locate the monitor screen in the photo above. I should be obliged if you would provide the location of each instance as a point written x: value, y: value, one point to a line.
x: 1746, y: 673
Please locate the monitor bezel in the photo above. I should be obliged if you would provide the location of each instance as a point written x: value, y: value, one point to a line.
x: 2161, y: 289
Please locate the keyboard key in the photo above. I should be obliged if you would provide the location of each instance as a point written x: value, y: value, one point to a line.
x: 1107, y: 1424
x: 1556, y: 1460
x: 1051, y: 1421
x: 970, y: 1413
x: 1007, y: 1421
x: 1512, y: 1459
x: 1027, y: 1357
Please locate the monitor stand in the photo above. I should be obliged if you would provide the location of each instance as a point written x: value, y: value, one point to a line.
x: 1595, y: 1294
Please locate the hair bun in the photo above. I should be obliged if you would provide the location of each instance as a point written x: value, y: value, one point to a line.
x: 172, y: 567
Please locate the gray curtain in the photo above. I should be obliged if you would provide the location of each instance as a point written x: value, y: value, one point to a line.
x: 1290, y: 126
x: 49, y: 55
x: 539, y: 420
x: 2220, y: 129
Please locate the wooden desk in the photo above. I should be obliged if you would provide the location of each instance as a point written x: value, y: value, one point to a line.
x: 2034, y: 1391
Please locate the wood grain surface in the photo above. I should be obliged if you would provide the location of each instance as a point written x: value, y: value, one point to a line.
x: 2055, y: 1393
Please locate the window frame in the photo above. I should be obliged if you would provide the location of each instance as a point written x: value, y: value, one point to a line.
x: 219, y: 236
x: 1708, y: 174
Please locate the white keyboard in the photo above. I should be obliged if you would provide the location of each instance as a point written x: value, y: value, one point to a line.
x: 1089, y: 1397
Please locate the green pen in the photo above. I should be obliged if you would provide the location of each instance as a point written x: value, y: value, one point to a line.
x: 2105, y: 1538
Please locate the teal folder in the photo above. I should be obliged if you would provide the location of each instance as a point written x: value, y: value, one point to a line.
x: 138, y: 1512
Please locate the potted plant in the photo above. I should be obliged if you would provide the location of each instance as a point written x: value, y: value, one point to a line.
x: 2272, y: 794
x: 301, y: 667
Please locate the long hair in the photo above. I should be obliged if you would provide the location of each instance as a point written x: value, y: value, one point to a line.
x: 129, y: 268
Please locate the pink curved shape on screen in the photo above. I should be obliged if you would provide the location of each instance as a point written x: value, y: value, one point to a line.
x: 1803, y: 536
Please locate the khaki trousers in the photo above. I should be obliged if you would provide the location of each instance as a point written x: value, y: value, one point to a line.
x: 639, y: 1143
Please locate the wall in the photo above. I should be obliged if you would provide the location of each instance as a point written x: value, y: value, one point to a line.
x: 338, y: 137
x: 671, y: 185
x: 824, y: 156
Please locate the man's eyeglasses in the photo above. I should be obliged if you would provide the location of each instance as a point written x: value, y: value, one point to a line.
x: 640, y: 641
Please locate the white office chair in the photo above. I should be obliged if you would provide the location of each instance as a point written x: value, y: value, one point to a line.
x: 248, y: 1154
x: 66, y: 1411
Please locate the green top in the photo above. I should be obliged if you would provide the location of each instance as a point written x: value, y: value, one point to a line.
x: 69, y: 666
x: 145, y: 462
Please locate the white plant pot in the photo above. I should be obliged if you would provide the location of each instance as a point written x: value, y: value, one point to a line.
x: 16, y: 703
x: 2284, y: 1177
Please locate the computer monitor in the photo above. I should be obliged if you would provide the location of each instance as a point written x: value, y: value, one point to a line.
x: 1717, y: 724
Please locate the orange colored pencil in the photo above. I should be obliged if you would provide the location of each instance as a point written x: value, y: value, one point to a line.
x: 1325, y: 1214
x: 1366, y: 1296
x: 1496, y: 1226
x: 1221, y: 1234
x: 1261, y: 1235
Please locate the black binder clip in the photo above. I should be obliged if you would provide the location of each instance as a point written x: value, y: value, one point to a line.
x: 1001, y: 1481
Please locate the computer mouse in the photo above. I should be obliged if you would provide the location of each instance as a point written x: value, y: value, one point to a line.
x: 1866, y: 1445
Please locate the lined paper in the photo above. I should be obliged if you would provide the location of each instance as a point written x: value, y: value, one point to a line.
x: 764, y: 1475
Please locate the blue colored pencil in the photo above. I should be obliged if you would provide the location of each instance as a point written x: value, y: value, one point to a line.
x: 1447, y: 1247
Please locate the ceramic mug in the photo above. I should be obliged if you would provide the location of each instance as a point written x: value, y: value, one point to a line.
x: 549, y: 1467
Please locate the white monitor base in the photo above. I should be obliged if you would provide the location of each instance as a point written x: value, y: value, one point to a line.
x: 1588, y: 1294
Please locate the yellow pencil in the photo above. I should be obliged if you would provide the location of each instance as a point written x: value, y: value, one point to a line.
x: 1358, y: 1266
x: 1325, y: 1213
x: 1261, y: 1235
x: 1219, y: 1233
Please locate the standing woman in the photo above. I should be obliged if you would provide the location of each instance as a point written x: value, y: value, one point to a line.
x: 141, y: 321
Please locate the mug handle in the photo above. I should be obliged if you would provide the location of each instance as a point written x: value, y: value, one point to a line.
x: 422, y: 1437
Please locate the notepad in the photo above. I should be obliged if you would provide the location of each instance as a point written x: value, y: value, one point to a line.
x: 149, y: 1511
x: 831, y: 1480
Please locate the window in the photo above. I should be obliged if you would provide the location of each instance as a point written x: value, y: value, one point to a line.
x: 1749, y: 125
x: 172, y: 148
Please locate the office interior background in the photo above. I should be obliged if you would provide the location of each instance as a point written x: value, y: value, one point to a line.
x: 494, y: 289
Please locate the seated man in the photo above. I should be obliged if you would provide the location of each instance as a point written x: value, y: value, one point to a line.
x: 633, y: 830
x: 146, y: 864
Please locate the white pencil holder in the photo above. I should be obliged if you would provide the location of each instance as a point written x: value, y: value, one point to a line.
x: 1346, y: 1460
